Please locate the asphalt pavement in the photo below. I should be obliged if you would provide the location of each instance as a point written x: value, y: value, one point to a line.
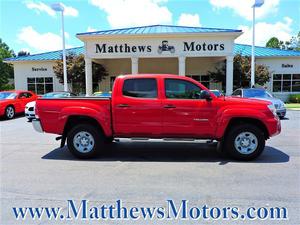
x: 36, y: 172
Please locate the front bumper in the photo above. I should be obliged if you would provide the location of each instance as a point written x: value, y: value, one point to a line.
x: 30, y: 115
x: 274, y: 126
x: 281, y: 112
x: 36, y: 123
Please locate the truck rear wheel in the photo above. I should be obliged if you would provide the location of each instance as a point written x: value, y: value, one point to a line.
x: 84, y: 141
x: 245, y: 142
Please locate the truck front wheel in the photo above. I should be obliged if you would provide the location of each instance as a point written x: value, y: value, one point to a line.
x: 84, y: 141
x: 245, y: 142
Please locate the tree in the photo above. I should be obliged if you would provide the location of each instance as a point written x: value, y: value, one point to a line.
x: 241, y: 73
x: 23, y: 53
x: 76, y: 71
x: 273, y: 43
x: 6, y: 70
x: 293, y: 44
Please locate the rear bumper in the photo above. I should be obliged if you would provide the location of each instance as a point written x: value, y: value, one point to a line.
x: 36, y: 123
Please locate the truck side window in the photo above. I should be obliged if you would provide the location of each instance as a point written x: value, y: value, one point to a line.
x: 181, y: 89
x: 140, y: 88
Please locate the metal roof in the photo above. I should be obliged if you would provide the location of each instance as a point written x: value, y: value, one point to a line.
x: 158, y: 29
x: 54, y: 55
x: 244, y: 50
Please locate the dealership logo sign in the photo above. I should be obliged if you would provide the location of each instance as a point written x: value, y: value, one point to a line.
x: 191, y: 46
x: 165, y: 47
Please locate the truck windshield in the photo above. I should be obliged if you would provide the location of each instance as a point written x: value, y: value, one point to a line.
x: 256, y: 93
x: 8, y: 95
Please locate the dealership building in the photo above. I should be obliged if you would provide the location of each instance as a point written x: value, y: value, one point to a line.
x: 161, y: 49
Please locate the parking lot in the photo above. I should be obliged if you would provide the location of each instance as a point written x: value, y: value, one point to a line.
x: 35, y: 172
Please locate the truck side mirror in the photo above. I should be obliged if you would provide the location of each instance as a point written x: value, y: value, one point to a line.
x: 205, y: 95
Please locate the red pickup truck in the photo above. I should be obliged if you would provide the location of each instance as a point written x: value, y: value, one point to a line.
x: 158, y: 106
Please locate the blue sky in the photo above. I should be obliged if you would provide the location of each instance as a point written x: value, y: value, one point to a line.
x: 32, y: 25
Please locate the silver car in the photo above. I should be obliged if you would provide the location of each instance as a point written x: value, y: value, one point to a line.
x: 260, y: 93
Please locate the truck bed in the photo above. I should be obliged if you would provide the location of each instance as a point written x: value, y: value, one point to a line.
x: 54, y: 112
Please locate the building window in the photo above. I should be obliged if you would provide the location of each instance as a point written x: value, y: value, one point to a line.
x: 203, y: 79
x: 286, y: 82
x: 40, y: 85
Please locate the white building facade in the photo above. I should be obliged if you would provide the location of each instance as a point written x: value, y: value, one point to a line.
x: 184, y: 51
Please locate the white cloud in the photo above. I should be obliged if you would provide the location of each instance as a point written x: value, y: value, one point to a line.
x: 40, y: 42
x: 192, y: 20
x: 124, y: 13
x: 70, y: 11
x: 39, y: 7
x: 243, y: 7
x: 264, y: 31
x: 90, y: 29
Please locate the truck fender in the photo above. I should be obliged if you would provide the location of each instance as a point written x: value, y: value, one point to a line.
x: 102, y: 117
x: 228, y: 114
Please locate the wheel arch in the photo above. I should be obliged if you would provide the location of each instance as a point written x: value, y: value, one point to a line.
x: 12, y: 105
x: 244, y: 120
x: 74, y: 120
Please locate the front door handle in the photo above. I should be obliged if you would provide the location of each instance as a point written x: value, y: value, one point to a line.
x: 169, y: 106
x: 122, y: 105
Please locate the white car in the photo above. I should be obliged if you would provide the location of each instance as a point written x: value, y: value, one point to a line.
x: 30, y: 111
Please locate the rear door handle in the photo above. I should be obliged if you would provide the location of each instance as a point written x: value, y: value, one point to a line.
x: 123, y: 105
x: 169, y: 106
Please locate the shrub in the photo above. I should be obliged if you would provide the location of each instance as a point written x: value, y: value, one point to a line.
x: 294, y: 98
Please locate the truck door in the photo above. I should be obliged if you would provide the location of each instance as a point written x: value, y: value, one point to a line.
x: 137, y: 110
x: 184, y: 113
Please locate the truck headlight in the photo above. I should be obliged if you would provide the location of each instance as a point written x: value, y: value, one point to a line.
x: 272, y: 109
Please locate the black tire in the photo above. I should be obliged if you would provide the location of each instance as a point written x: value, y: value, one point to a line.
x: 95, y: 141
x: 10, y: 112
x: 281, y: 117
x: 248, y: 130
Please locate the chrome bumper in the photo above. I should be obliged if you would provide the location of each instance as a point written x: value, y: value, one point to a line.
x: 36, y: 123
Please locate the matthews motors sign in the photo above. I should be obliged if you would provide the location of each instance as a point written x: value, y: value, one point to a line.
x: 164, y: 47
x: 158, y: 47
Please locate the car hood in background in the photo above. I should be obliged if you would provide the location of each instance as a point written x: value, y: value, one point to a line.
x: 275, y: 101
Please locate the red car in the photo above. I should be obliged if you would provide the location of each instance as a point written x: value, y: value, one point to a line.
x: 159, y: 106
x: 13, y: 102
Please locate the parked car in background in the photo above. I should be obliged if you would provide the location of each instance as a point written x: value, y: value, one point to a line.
x: 102, y: 94
x: 30, y: 107
x: 260, y: 93
x: 13, y: 102
x: 217, y: 93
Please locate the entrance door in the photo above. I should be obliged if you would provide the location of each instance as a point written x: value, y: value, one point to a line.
x: 138, y: 111
x: 184, y: 114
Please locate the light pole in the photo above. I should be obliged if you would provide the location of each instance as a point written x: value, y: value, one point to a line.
x: 257, y: 3
x: 58, y: 7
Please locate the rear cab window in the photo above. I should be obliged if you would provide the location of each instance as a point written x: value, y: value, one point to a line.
x: 140, y: 88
